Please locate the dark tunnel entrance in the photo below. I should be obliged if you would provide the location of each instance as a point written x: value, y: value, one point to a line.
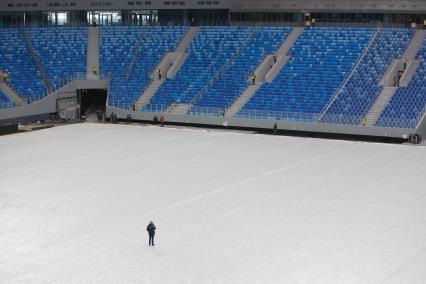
x: 91, y: 101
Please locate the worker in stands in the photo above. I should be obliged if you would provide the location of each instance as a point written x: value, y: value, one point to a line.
x: 159, y: 73
x: 95, y: 72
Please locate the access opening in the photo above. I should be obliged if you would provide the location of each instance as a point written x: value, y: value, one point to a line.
x: 91, y: 102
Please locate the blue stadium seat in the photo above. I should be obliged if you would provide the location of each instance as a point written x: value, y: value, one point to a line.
x: 363, y: 88
x: 408, y: 103
x: 319, y: 61
x: 5, y: 101
x: 211, y: 50
x: 62, y: 51
x: 16, y: 60
x: 234, y: 79
x: 118, y: 48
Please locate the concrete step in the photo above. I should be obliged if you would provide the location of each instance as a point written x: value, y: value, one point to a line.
x: 379, y: 105
x: 177, y: 64
x: 36, y: 58
x: 276, y: 68
x: 290, y: 40
x: 146, y: 96
x: 242, y: 100
x: 409, y: 72
x: 187, y: 39
x: 92, y: 53
x: 415, y: 44
x: 178, y: 108
x: 267, y: 70
x: 280, y: 58
x: 408, y: 59
x: 172, y: 61
x: 169, y: 66
x: 13, y: 96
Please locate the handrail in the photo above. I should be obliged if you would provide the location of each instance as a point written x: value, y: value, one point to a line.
x: 136, y: 53
x: 422, y: 116
x: 36, y: 57
x: 343, y: 84
x: 223, y: 69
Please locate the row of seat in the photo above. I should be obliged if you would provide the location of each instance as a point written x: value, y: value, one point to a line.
x: 211, y: 50
x: 16, y: 60
x: 408, y: 103
x: 130, y: 54
x: 319, y: 61
x: 236, y: 77
x: 355, y: 99
x: 61, y: 50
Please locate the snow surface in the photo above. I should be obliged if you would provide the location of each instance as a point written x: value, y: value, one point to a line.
x: 229, y: 208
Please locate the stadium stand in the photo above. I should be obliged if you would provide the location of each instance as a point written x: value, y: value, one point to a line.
x: 16, y: 60
x: 130, y: 54
x: 408, y: 104
x: 212, y: 49
x: 62, y: 52
x: 234, y: 78
x: 319, y: 61
x: 361, y: 90
x: 5, y: 101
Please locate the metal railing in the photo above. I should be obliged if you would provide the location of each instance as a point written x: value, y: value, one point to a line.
x: 349, y: 76
x: 253, y: 114
x: 36, y: 57
x: 4, y: 105
x: 136, y: 53
x: 222, y: 70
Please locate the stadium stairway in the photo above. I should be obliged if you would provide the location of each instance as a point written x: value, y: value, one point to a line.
x: 36, y: 58
x: 281, y: 54
x: 13, y: 96
x: 388, y: 79
x: 93, y: 39
x: 169, y: 66
x: 266, y: 71
x: 410, y: 55
x: 178, y: 108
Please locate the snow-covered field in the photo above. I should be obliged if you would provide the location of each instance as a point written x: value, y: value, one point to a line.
x: 229, y: 208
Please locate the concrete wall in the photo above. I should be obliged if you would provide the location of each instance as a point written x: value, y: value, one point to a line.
x: 41, y: 110
x: 268, y: 124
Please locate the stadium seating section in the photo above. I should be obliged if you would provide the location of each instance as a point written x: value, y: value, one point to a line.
x: 319, y: 61
x: 210, y: 51
x: 130, y: 55
x: 333, y: 74
x: 362, y: 89
x: 234, y: 77
x: 17, y: 61
x: 62, y: 51
x: 408, y: 104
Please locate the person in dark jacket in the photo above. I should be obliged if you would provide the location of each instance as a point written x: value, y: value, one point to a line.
x: 99, y: 116
x: 162, y: 121
x: 151, y: 232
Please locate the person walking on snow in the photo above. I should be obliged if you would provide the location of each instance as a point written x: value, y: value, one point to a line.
x: 151, y: 232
